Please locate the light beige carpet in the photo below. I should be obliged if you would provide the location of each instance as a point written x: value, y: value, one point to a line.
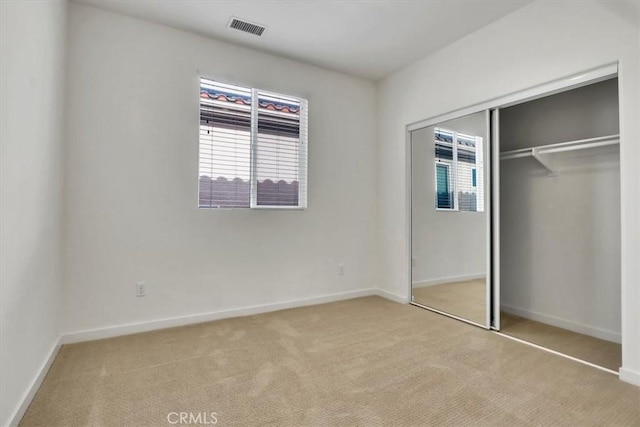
x: 465, y: 299
x: 600, y: 352
x: 366, y: 361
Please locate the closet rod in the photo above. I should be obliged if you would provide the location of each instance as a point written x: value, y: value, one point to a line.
x: 580, y: 144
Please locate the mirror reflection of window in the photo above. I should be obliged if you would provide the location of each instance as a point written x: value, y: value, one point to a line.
x: 459, y: 168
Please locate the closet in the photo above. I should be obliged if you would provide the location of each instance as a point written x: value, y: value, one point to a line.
x: 559, y: 222
x: 515, y: 216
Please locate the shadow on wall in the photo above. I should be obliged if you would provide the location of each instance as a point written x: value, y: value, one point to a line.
x: 222, y: 193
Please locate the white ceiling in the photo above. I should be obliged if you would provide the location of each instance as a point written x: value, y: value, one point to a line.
x: 366, y: 38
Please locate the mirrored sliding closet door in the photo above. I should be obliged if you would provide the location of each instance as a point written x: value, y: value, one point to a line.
x: 449, y: 217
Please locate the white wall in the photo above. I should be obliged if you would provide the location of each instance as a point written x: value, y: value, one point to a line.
x: 538, y: 43
x: 446, y: 245
x: 131, y: 181
x: 586, y: 112
x: 32, y: 41
x: 560, y: 245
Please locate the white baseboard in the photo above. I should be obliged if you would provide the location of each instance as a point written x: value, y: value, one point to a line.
x: 629, y: 376
x: 152, y: 325
x: 564, y: 324
x: 449, y: 279
x: 392, y: 297
x: 30, y: 393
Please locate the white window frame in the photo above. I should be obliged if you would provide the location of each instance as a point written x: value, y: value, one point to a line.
x: 253, y: 178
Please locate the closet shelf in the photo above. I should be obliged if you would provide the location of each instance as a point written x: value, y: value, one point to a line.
x: 541, y: 152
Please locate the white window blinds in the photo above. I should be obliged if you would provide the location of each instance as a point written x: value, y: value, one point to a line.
x: 253, y: 148
x: 225, y: 146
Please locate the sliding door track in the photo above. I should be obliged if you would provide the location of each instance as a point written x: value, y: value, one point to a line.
x: 444, y: 313
x: 548, y: 350
x: 566, y: 356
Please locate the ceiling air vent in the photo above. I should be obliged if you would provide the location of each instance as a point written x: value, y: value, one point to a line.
x: 247, y: 27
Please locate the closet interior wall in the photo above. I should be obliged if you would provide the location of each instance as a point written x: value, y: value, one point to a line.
x: 560, y: 235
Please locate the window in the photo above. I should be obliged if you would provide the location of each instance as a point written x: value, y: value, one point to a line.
x: 443, y: 186
x: 253, y: 148
x: 459, y: 171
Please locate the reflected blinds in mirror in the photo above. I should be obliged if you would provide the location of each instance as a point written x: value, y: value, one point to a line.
x: 459, y: 168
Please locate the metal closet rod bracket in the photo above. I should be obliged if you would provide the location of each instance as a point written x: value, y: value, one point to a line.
x: 544, y: 161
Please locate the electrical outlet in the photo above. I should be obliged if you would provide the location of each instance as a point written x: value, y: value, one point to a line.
x: 340, y: 269
x: 141, y: 289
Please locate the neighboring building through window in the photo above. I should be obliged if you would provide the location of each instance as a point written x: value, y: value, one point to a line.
x: 459, y: 167
x: 253, y: 148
